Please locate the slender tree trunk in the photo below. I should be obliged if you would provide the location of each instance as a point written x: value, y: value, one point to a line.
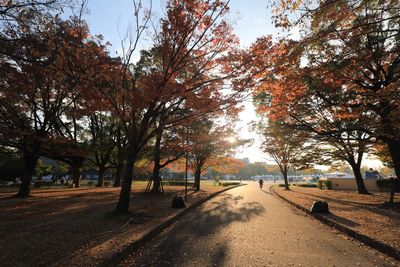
x: 197, y: 176
x: 285, y: 178
x: 125, y: 194
x: 119, y: 174
x: 30, y: 160
x: 390, y: 137
x: 157, y: 158
x: 156, y: 179
x: 394, y: 150
x: 359, y: 179
x: 77, y: 173
x: 100, y: 181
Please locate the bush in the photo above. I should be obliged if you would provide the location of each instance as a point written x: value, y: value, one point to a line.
x: 283, y: 185
x: 177, y: 183
x: 40, y: 183
x: 229, y: 183
x: 324, y: 184
x: 90, y: 183
x: 107, y: 184
x: 307, y: 185
x: 383, y: 183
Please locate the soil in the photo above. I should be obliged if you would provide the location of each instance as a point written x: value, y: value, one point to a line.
x: 366, y: 214
x: 65, y: 227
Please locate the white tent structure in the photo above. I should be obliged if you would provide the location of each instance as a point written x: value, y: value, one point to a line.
x: 345, y: 181
x: 339, y: 175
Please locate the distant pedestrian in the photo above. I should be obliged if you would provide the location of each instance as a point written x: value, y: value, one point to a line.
x: 261, y: 182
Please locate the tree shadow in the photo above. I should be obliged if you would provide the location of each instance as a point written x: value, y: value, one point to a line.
x: 266, y: 192
x: 341, y: 220
x: 377, y: 208
x: 195, y: 233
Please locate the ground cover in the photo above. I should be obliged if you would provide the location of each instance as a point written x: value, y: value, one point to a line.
x: 78, y: 226
x: 365, y: 214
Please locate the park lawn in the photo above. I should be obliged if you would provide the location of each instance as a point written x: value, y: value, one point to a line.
x: 77, y: 226
x: 365, y: 214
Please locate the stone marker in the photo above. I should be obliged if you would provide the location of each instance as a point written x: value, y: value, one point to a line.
x: 319, y: 207
x: 178, y: 202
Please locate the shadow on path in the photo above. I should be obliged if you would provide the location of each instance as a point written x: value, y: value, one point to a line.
x: 341, y: 220
x: 194, y: 233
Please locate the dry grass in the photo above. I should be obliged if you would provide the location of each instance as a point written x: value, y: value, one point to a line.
x: 78, y: 226
x: 365, y: 214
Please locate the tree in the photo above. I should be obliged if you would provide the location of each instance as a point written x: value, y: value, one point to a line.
x: 168, y: 148
x: 355, y: 44
x: 42, y: 169
x: 35, y: 91
x: 11, y: 164
x: 253, y: 169
x: 101, y: 131
x: 288, y: 147
x: 192, y: 39
x: 208, y: 146
x: 297, y: 96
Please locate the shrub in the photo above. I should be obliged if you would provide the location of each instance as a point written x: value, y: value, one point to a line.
x: 37, y: 184
x: 177, y: 183
x: 283, y: 185
x: 107, y: 184
x: 90, y: 183
x: 307, y: 185
x: 383, y: 183
x: 324, y: 184
x: 229, y: 183
x: 328, y: 184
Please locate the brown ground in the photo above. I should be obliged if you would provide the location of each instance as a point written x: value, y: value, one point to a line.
x: 365, y: 214
x: 77, y: 226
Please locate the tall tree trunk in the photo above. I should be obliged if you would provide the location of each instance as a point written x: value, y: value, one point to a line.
x: 156, y: 178
x: 157, y: 158
x: 284, y: 172
x: 77, y: 172
x: 100, y: 181
x: 125, y: 194
x: 30, y: 160
x: 197, y: 176
x: 394, y: 150
x: 359, y: 179
x: 118, y: 175
x: 391, y: 133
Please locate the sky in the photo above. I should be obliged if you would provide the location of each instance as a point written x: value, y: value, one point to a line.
x: 251, y: 19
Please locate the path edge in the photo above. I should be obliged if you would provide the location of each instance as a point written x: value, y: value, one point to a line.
x: 375, y: 244
x: 116, y: 258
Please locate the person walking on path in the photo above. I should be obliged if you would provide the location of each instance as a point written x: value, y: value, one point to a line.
x: 261, y: 182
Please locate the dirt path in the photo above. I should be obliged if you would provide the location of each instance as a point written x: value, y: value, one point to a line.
x: 250, y: 227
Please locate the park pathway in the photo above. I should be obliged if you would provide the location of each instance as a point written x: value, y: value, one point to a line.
x: 249, y: 227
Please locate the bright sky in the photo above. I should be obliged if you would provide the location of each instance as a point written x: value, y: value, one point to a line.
x: 252, y: 19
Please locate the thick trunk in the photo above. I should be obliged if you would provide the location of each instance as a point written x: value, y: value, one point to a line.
x: 359, y: 179
x: 197, y: 175
x: 100, y: 181
x: 285, y: 178
x: 30, y: 160
x: 77, y: 173
x: 157, y: 158
x: 156, y: 179
x: 125, y: 194
x: 390, y: 137
x: 118, y: 175
x: 394, y: 150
